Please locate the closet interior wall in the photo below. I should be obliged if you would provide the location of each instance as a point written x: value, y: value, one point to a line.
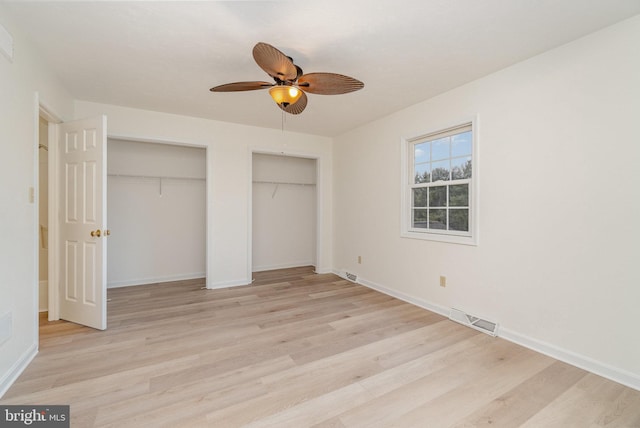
x: 284, y: 212
x: 156, y: 211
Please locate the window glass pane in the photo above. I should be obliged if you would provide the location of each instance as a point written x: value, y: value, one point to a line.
x: 419, y: 218
x: 440, y: 171
x: 439, y: 185
x: 422, y: 173
x: 440, y: 149
x: 438, y: 196
x: 438, y: 219
x: 459, y: 195
x: 459, y: 220
x: 461, y: 144
x: 461, y: 168
x: 421, y: 153
x: 420, y: 197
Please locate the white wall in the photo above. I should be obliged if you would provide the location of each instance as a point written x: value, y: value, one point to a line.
x: 19, y: 243
x: 556, y: 264
x: 156, y: 203
x: 229, y: 193
x: 284, y: 215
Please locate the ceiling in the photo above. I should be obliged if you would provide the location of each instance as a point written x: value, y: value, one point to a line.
x: 164, y: 56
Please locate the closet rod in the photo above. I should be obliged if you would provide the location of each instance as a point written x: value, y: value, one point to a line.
x: 156, y: 177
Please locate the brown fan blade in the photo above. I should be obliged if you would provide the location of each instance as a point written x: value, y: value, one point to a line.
x: 328, y: 83
x: 297, y: 107
x: 274, y: 62
x: 241, y: 86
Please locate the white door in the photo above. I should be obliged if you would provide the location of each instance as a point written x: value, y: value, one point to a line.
x: 82, y: 221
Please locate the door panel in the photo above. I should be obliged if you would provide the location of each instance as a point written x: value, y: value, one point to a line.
x: 83, y: 200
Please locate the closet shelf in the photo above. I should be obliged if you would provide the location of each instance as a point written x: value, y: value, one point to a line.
x: 284, y: 182
x: 155, y: 177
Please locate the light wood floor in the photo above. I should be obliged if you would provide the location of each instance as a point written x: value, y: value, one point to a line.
x: 298, y: 350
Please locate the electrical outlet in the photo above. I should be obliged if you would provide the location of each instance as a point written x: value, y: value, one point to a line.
x: 443, y: 281
x: 359, y: 260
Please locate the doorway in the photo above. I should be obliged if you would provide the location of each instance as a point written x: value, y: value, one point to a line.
x: 45, y: 232
x: 43, y: 214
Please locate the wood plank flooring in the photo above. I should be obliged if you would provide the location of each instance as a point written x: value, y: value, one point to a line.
x: 296, y: 349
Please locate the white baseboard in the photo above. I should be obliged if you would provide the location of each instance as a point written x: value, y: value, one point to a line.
x: 153, y: 280
x: 227, y: 284
x: 281, y: 266
x: 17, y: 368
x: 597, y: 367
x: 399, y: 295
x: 615, y: 374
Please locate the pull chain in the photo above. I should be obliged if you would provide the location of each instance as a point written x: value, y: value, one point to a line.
x: 283, y: 120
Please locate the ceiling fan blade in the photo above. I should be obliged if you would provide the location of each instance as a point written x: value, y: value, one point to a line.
x: 274, y: 62
x: 328, y: 83
x: 297, y: 107
x: 241, y: 86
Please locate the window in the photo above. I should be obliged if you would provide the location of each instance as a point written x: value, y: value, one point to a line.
x: 438, y: 186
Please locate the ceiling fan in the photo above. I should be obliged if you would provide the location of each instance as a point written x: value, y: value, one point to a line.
x: 291, y: 85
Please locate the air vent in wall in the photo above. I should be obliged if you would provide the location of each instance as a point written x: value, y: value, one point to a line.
x: 351, y: 276
x: 474, y: 322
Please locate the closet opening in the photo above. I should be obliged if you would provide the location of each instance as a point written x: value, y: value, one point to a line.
x: 284, y: 212
x: 156, y: 211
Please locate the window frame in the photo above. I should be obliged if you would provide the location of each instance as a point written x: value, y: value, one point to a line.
x: 407, y: 182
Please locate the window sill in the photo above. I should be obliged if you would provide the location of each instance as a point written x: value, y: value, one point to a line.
x: 440, y: 237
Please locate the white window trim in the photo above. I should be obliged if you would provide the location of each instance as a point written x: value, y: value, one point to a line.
x: 405, y: 190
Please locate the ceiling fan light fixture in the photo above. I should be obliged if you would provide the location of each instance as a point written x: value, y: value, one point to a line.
x: 288, y: 92
x: 285, y: 95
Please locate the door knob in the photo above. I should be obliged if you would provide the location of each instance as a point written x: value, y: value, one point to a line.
x: 95, y: 233
x: 107, y: 232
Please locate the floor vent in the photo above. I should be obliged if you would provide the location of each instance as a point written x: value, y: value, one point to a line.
x: 351, y: 276
x: 479, y: 324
